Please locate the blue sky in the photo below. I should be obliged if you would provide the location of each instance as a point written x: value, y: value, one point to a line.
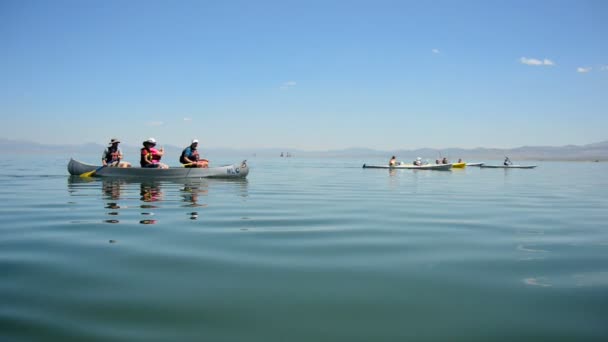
x: 311, y: 75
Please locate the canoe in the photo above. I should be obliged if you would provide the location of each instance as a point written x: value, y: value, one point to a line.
x: 439, y: 167
x: 508, y: 166
x: 241, y: 170
x: 459, y: 165
x: 474, y: 164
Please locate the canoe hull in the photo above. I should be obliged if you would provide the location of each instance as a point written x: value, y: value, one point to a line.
x: 459, y: 165
x: 508, y: 166
x: 437, y: 167
x: 474, y: 164
x: 241, y: 170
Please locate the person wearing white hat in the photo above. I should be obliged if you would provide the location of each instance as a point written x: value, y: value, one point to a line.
x: 191, y: 158
x: 418, y: 161
x: 150, y: 156
x: 112, y: 155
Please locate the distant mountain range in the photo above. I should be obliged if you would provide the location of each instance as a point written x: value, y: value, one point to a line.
x: 590, y: 152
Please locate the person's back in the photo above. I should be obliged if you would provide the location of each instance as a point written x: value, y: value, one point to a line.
x: 393, y: 161
x: 445, y: 160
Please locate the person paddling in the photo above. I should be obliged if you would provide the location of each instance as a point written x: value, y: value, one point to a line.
x: 445, y: 160
x: 393, y: 161
x: 191, y: 158
x: 150, y: 156
x: 507, y: 161
x: 112, y: 155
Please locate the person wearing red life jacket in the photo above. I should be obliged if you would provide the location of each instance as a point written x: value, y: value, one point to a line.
x: 150, y: 156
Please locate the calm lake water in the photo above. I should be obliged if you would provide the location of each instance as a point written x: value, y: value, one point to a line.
x: 305, y: 250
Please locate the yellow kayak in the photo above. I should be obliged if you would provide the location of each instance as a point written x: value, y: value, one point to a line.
x: 459, y: 165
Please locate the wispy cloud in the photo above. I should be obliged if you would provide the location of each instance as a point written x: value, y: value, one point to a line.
x: 435, y: 50
x: 583, y: 70
x: 536, y: 62
x: 288, y: 85
x: 187, y: 119
x: 604, y: 68
x: 155, y: 123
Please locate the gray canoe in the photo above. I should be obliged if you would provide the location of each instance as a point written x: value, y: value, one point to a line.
x: 241, y: 170
x: 508, y: 166
x: 474, y: 164
x: 439, y: 167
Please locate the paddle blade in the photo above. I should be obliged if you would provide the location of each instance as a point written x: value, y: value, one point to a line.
x: 88, y: 174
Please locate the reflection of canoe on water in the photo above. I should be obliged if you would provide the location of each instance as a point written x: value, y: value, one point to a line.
x: 228, y: 171
x: 508, y: 166
x: 440, y: 167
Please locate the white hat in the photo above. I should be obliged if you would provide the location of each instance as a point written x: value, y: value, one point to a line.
x: 195, y: 141
x: 113, y: 141
x: 150, y: 141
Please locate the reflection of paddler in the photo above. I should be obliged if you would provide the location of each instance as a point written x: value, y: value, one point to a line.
x: 150, y: 192
x: 190, y: 194
x: 112, y: 189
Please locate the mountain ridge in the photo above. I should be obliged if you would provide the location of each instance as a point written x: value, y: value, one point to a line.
x: 594, y: 151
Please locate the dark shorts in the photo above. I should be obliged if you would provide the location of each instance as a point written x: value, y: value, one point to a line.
x: 151, y: 166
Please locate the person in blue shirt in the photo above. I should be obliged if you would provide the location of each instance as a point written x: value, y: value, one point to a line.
x: 191, y: 158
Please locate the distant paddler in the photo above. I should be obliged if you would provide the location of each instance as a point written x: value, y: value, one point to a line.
x: 112, y: 155
x: 393, y: 161
x: 507, y: 162
x: 191, y: 158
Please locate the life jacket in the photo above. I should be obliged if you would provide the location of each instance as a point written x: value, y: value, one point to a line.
x: 189, y: 153
x: 155, y: 155
x: 146, y: 155
x: 112, y: 155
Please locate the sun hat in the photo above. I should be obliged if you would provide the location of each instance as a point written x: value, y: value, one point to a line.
x: 113, y: 141
x: 150, y: 141
x: 195, y: 141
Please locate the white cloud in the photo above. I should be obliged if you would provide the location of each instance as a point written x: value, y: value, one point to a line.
x: 583, y: 70
x: 288, y: 85
x: 187, y: 119
x: 536, y: 62
x: 604, y: 68
x: 435, y: 50
x: 155, y: 123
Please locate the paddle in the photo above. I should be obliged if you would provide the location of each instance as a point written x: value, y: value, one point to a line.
x: 188, y: 164
x: 91, y: 173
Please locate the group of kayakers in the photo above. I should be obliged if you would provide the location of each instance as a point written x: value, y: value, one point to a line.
x: 418, y: 161
x: 150, y: 156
